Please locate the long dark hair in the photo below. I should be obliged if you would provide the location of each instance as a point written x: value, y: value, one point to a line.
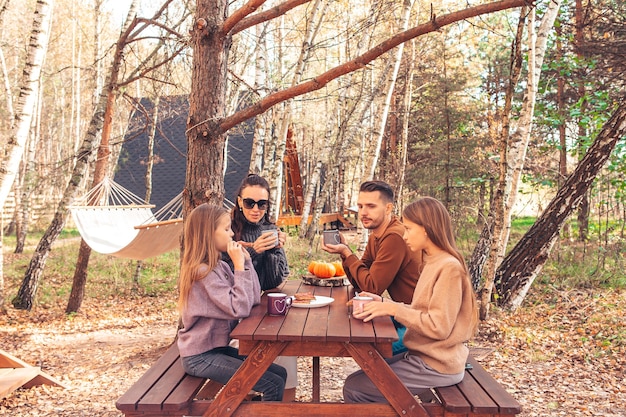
x: 237, y: 216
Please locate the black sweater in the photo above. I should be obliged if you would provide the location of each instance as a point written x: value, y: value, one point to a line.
x: 271, y: 265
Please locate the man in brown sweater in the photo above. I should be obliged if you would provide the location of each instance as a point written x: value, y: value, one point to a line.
x: 387, y: 263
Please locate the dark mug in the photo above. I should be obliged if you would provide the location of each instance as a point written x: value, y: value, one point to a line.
x: 278, y: 303
x: 332, y: 237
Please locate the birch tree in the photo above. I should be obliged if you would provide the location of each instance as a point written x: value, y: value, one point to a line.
x: 514, y: 149
x: 274, y: 171
x: 26, y: 103
x: 397, y: 60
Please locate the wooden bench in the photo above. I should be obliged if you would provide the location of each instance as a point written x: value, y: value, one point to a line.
x: 165, y: 390
x: 15, y: 373
x: 477, y: 395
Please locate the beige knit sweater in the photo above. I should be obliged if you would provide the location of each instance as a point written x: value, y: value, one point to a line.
x: 442, y: 315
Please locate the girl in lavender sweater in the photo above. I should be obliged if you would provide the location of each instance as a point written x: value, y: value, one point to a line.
x: 213, y: 299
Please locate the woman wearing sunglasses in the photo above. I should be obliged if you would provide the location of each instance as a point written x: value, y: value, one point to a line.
x: 252, y: 226
x: 250, y: 223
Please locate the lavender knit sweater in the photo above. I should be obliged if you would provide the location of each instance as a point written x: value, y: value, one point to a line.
x: 215, y: 305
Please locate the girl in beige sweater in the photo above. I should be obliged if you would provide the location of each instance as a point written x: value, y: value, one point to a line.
x: 442, y: 315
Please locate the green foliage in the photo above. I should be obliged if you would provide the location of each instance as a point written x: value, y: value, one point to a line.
x: 595, y: 264
x: 108, y: 277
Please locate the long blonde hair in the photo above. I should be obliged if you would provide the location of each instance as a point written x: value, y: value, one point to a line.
x: 199, y: 251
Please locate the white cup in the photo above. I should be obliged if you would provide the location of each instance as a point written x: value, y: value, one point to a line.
x: 273, y: 232
x: 358, y: 302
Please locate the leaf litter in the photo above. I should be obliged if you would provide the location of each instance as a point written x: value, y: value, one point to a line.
x: 563, y: 353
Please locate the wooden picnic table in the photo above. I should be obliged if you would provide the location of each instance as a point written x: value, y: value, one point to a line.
x: 316, y: 332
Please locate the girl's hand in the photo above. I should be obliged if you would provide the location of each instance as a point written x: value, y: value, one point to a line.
x: 376, y: 309
x: 237, y: 254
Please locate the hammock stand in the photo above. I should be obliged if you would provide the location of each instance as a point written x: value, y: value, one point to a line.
x: 114, y: 221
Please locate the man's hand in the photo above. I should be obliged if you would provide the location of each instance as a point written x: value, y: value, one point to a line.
x: 340, y: 249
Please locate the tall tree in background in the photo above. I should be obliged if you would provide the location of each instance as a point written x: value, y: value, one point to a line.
x: 207, y: 124
x: 522, y: 265
x: 27, y: 99
x: 513, y: 150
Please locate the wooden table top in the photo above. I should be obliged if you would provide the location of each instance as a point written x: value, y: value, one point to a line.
x: 320, y: 331
x: 326, y: 324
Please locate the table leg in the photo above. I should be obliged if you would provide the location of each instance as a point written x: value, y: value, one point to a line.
x: 316, y: 379
x: 387, y: 382
x: 234, y: 392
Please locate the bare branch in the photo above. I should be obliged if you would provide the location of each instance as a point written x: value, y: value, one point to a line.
x: 157, y: 24
x: 266, y: 15
x: 146, y: 23
x: 241, y: 13
x: 145, y: 71
x: 361, y: 61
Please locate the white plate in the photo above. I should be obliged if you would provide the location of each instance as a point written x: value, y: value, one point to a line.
x: 320, y: 301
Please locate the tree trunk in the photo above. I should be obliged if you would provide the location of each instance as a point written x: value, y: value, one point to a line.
x: 560, y: 104
x: 205, y: 140
x: 20, y: 128
x: 404, y: 23
x: 80, y: 279
x: 18, y: 213
x: 521, y: 266
x: 102, y: 160
x: 583, y: 207
x: 518, y: 145
x: 495, y: 221
x: 262, y: 123
x: 148, y: 177
x: 27, y: 98
x: 309, y: 197
x: 26, y: 181
x: 274, y: 167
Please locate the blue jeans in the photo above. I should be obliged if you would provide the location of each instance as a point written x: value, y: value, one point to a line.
x: 220, y: 364
x: 398, y: 346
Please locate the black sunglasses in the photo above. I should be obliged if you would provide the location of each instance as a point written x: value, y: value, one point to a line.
x: 249, y: 203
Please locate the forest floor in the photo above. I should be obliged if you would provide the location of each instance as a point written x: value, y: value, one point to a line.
x: 562, y: 354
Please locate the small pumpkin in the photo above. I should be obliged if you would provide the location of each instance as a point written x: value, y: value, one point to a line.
x: 324, y: 270
x: 311, y: 267
x: 338, y: 268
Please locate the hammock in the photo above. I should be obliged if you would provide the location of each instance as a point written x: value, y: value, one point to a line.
x: 114, y: 221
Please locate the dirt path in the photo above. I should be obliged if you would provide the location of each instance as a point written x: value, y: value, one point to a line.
x: 557, y: 360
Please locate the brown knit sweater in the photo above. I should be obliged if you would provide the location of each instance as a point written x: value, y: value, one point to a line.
x: 442, y: 315
x: 386, y: 264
